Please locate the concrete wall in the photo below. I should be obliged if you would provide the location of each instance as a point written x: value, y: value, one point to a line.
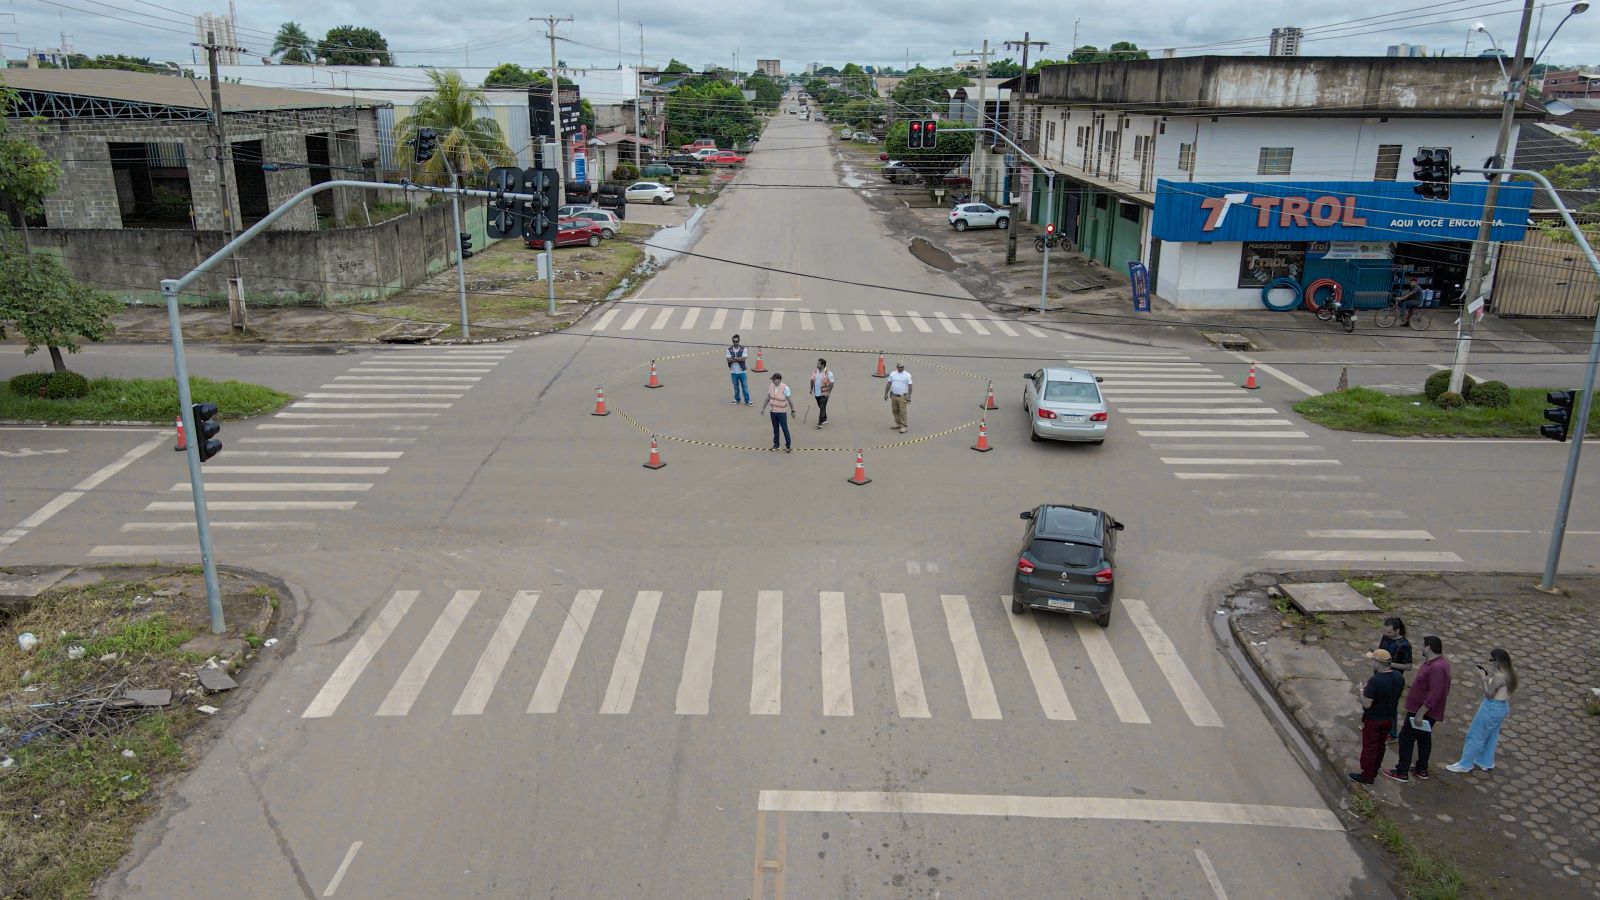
x: 1328, y: 85
x: 321, y: 268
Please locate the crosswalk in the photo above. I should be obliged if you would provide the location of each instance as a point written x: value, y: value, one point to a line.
x: 1212, y: 434
x: 661, y: 317
x: 888, y: 655
x: 320, y: 454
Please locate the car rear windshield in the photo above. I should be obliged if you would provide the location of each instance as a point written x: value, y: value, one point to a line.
x: 1071, y: 392
x: 1065, y: 553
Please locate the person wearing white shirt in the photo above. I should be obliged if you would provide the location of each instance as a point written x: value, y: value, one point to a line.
x: 821, y: 387
x: 898, y: 392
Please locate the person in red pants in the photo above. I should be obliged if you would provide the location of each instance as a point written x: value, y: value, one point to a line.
x: 1380, y: 702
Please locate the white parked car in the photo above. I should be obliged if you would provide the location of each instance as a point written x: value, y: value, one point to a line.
x: 1065, y: 405
x: 610, y: 225
x: 977, y: 215
x: 651, y: 191
x: 704, y: 152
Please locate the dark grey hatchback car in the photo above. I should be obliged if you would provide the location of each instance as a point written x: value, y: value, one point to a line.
x: 1067, y: 563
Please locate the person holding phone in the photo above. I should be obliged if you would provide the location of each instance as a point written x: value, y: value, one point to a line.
x: 1499, y: 683
x: 1424, y: 708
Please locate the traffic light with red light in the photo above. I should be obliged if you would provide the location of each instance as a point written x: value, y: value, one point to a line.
x: 914, y: 135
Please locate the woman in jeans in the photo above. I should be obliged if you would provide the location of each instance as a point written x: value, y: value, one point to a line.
x: 1498, y: 686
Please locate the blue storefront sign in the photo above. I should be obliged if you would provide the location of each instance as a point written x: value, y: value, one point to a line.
x: 1331, y: 211
x: 1139, y: 281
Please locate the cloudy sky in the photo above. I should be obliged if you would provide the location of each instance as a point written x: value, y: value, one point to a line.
x: 702, y: 32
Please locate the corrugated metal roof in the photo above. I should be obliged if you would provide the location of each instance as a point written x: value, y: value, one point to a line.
x: 164, y: 90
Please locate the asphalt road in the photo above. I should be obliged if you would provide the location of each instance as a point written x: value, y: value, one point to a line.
x: 531, y: 666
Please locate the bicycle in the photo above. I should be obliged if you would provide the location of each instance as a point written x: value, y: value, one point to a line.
x: 1386, y: 317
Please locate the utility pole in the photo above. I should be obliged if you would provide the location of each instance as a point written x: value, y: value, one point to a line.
x: 236, y: 310
x: 978, y: 150
x: 1478, y: 263
x: 1016, y: 120
x: 638, y: 97
x: 555, y: 117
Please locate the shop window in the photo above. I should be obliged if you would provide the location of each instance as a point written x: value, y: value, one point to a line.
x: 1275, y: 161
x: 152, y: 183
x: 1388, y: 163
x: 1129, y: 211
x: 1099, y: 201
x: 1186, y: 158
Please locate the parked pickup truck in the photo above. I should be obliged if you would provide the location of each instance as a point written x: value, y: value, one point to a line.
x: 700, y: 144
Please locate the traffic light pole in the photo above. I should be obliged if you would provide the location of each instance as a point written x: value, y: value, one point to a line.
x: 1050, y: 196
x: 172, y: 287
x: 1558, y: 532
x: 461, y: 261
x: 197, y: 484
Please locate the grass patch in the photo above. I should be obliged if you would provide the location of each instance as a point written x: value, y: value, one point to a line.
x: 1373, y: 590
x: 1424, y: 876
x: 1407, y: 415
x: 73, y: 796
x: 152, y: 400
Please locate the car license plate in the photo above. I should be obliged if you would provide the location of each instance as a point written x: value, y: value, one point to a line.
x: 1058, y: 603
x: 1073, y: 418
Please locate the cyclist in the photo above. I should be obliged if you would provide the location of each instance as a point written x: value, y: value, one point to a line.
x: 1409, y: 299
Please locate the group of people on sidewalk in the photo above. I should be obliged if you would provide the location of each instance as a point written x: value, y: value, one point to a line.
x: 779, y: 403
x: 1381, y: 722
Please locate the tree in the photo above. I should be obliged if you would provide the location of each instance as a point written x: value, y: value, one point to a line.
x: 1584, y: 176
x: 513, y: 75
x: 1087, y: 53
x: 46, y: 306
x: 37, y: 296
x: 714, y: 109
x: 677, y: 68
x: 351, y: 45
x: 769, y: 93
x: 952, y: 149
x: 469, y: 139
x: 827, y: 70
x: 925, y: 90
x: 1035, y: 67
x: 1004, y: 68
x: 1122, y: 51
x: 293, y: 45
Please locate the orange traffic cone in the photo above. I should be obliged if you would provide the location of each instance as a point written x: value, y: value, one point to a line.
x: 982, y: 446
x: 654, y: 382
x: 1250, y: 383
x: 882, y: 371
x: 655, y: 456
x: 600, y: 403
x: 182, y: 443
x: 759, y: 366
x: 988, y: 402
x: 860, y: 477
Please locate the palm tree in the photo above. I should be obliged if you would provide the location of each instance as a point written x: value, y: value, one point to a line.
x: 471, y: 141
x: 293, y: 45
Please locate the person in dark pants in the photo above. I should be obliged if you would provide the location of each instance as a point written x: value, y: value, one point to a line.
x: 1424, y: 708
x: 1394, y: 640
x: 1380, y: 701
x: 821, y: 387
x: 779, y: 400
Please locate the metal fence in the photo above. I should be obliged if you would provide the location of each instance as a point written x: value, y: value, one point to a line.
x: 1538, y: 276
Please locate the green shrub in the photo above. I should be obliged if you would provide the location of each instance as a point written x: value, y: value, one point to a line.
x: 1450, y: 400
x: 1439, y: 382
x: 29, y: 384
x: 625, y: 172
x: 50, y: 385
x: 1495, y: 394
x: 66, y: 386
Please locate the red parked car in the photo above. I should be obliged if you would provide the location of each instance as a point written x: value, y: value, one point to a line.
x: 725, y: 158
x: 574, y: 233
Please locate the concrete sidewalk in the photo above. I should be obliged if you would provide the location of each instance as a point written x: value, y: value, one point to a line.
x: 1532, y: 826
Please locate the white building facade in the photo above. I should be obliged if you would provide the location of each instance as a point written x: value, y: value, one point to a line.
x: 1227, y: 175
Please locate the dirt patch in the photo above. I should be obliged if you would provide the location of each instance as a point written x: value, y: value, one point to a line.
x: 82, y: 758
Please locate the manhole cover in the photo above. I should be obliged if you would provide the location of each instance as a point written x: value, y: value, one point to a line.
x: 1227, y: 340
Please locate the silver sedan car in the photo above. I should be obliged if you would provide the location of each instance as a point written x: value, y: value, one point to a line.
x: 1065, y: 405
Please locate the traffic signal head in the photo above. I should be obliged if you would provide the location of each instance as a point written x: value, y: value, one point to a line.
x: 466, y: 245
x: 914, y: 135
x: 539, y: 218
x: 206, y: 428
x: 1559, y: 414
x: 1432, y: 170
x: 1050, y: 228
x: 425, y: 143
x: 503, y: 220
x: 930, y: 134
